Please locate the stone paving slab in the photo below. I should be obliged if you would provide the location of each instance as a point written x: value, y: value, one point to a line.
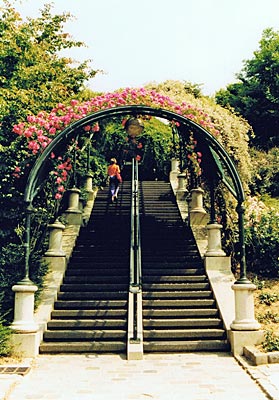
x: 7, y: 385
x: 266, y: 376
x: 195, y: 376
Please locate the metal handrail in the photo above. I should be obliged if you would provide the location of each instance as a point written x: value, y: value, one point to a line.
x: 135, y: 247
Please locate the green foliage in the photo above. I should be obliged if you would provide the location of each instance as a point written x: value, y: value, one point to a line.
x: 233, y: 130
x: 33, y: 77
x: 12, y: 271
x: 268, y: 317
x: 268, y: 298
x: 262, y: 243
x: 255, y: 95
x: 271, y: 342
x: 265, y: 179
x: 271, y: 202
x: 156, y: 142
x: 5, y: 334
x: 98, y: 167
x: 260, y: 284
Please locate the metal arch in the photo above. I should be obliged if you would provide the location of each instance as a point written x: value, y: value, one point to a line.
x: 33, y: 184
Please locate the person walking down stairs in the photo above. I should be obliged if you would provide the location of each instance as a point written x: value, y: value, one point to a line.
x: 114, y: 179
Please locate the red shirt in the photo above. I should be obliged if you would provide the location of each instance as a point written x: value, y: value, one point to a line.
x: 113, y: 169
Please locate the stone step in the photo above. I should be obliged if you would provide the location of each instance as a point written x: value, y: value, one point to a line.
x: 87, y: 324
x: 183, y: 266
x: 184, y: 334
x: 185, y: 346
x: 172, y: 279
x: 167, y: 253
x: 91, y: 287
x: 156, y: 258
x: 89, y: 314
x: 89, y: 279
x: 84, y: 334
x: 101, y: 258
x: 98, y: 304
x: 173, y: 301
x: 92, y: 295
x: 96, y: 270
x: 180, y: 313
x: 112, y: 346
x: 161, y: 323
x: 175, y: 287
x: 155, y: 287
x: 163, y: 270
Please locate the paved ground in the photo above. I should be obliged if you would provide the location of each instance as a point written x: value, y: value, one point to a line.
x: 195, y: 376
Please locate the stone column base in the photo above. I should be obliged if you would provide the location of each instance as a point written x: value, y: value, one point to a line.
x: 25, y: 344
x: 135, y: 347
x: 244, y: 308
x: 24, y: 309
x: 55, y: 263
x: 214, y: 248
x: 198, y: 218
x: 73, y: 217
x: 241, y: 339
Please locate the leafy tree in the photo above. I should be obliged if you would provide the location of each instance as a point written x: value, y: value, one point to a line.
x: 33, y: 76
x: 256, y: 94
x: 233, y: 130
x: 266, y: 172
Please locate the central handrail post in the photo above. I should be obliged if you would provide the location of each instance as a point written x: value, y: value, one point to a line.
x: 135, y: 331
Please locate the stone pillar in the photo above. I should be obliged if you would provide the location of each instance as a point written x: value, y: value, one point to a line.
x: 214, y: 247
x: 88, y: 186
x: 24, y: 309
x: 244, y: 308
x: 181, y: 189
x: 197, y: 201
x: 174, y: 174
x: 73, y: 214
x: 197, y: 214
x: 135, y: 346
x: 55, y: 256
x: 174, y: 164
x: 181, y: 181
x: 55, y: 240
x: 25, y: 339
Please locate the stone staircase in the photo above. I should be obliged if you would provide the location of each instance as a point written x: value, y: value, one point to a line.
x: 91, y: 311
x: 90, y: 314
x: 179, y: 311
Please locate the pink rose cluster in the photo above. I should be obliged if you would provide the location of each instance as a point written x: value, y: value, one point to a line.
x: 39, y: 130
x: 61, y: 174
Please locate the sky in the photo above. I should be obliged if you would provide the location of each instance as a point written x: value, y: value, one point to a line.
x: 137, y: 42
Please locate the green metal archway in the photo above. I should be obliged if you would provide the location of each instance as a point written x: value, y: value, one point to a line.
x: 41, y: 168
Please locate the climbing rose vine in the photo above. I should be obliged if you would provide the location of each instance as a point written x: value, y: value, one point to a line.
x: 40, y: 129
